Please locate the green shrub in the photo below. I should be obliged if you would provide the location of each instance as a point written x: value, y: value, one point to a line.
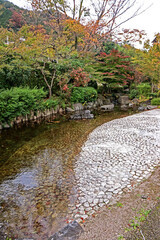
x: 144, y: 89
x: 155, y: 101
x: 50, y: 103
x: 19, y: 102
x: 83, y: 94
x: 133, y: 93
x: 154, y: 95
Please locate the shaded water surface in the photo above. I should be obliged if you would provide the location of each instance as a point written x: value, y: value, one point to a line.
x: 37, y: 185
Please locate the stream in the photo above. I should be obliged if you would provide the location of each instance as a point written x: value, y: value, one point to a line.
x: 37, y: 184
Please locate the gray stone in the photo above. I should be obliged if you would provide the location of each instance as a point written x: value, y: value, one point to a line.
x: 78, y: 106
x: 124, y: 107
x: 150, y: 107
x: 135, y: 101
x: 144, y: 197
x: 69, y: 110
x: 83, y: 114
x: 124, y: 100
x: 89, y: 105
x: 142, y: 108
x: 107, y: 101
x: 107, y: 107
x: 99, y: 102
x: 6, y: 125
x: 71, y: 232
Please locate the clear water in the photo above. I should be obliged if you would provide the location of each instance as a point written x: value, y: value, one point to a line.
x: 37, y: 185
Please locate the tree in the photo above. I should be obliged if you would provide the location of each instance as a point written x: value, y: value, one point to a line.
x: 13, y: 70
x: 100, y: 17
x: 17, y: 20
x: 113, y: 70
x: 147, y: 61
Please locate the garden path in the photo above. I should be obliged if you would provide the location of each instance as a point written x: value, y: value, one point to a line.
x: 116, y: 156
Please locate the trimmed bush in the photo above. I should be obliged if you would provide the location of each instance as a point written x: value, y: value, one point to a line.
x: 50, y: 103
x: 83, y: 94
x: 155, y: 101
x: 20, y: 102
x: 144, y: 89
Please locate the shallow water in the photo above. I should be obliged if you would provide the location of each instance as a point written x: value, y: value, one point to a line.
x: 37, y: 184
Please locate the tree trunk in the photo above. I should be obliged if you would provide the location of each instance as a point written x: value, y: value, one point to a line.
x: 76, y: 42
x: 50, y: 92
x: 152, y: 87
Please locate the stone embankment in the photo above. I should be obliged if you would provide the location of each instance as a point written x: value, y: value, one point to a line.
x: 80, y: 111
x: 116, y: 155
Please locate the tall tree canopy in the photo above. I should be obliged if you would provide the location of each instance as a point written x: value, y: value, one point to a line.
x: 100, y: 17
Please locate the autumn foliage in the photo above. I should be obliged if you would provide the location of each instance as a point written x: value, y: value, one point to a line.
x: 17, y: 20
x: 114, y: 69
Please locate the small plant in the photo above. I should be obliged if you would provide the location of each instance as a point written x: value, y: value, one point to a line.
x: 121, y: 238
x: 135, y: 223
x: 155, y: 101
x: 119, y: 205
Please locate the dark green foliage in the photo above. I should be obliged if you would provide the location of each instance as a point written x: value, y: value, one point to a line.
x: 14, y: 75
x: 50, y: 103
x: 6, y: 13
x: 155, y: 101
x: 19, y: 102
x: 5, y: 16
x: 93, y: 84
x: 83, y: 94
x: 133, y: 93
x: 108, y: 46
x: 154, y: 95
x: 144, y: 89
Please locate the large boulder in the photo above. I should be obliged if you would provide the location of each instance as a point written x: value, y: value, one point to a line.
x: 124, y: 100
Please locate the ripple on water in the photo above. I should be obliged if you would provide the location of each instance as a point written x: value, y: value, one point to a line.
x: 38, y: 189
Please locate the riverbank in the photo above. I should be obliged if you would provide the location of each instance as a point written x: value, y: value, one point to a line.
x: 114, y: 221
x: 47, y: 157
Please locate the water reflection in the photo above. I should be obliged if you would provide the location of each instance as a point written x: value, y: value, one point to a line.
x: 38, y: 198
x: 38, y: 188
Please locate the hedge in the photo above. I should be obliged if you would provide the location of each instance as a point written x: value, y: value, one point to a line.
x: 21, y: 101
x: 83, y: 94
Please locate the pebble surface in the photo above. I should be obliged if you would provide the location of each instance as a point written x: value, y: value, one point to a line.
x: 115, y: 155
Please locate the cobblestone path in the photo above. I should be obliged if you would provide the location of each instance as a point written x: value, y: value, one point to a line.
x: 116, y: 154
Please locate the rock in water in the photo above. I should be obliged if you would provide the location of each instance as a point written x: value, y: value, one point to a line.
x: 70, y: 232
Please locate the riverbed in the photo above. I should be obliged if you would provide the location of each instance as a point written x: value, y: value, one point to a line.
x: 38, y: 189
